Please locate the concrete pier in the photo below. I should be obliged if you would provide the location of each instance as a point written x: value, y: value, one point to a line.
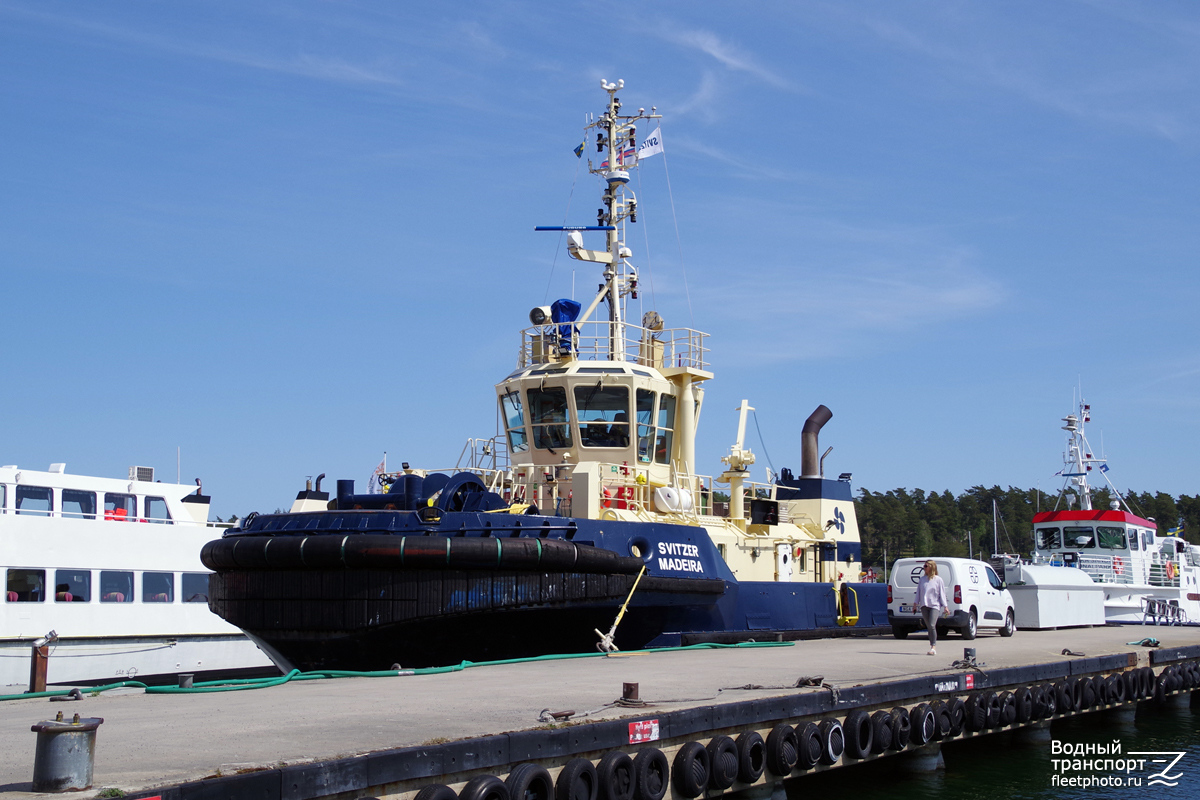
x: 339, y: 738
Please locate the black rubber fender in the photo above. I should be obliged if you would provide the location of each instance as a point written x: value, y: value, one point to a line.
x: 1038, y: 693
x: 1024, y: 703
x: 975, y: 712
x: 529, y: 782
x: 1161, y: 690
x: 941, y: 718
x: 1064, y: 697
x: 690, y: 771
x: 1008, y: 708
x: 653, y: 773
x: 1132, y: 684
x: 1077, y: 693
x: 995, y: 709
x: 436, y: 791
x: 958, y: 715
x: 577, y: 781
x: 1100, y: 687
x: 1051, y: 698
x: 924, y: 724
x: 901, y: 728
x: 808, y: 745
x: 484, y: 787
x: 881, y: 731
x: 782, y: 751
x: 752, y: 756
x: 1148, y: 681
x: 723, y: 764
x: 614, y: 777
x: 1116, y: 688
x: 860, y: 736
x: 1173, y: 675
x: 1087, y: 694
x: 833, y: 741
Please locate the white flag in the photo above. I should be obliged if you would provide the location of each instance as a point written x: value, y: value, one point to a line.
x: 652, y: 145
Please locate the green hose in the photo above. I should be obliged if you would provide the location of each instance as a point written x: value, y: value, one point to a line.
x: 240, y: 684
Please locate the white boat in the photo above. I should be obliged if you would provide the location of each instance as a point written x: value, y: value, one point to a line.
x: 109, y: 570
x: 1146, y: 577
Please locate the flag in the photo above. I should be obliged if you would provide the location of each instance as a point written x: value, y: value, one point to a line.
x: 1104, y: 467
x: 628, y: 159
x: 579, y: 149
x: 652, y: 145
x: 373, y: 486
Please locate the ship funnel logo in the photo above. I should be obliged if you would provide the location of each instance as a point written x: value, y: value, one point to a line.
x: 839, y: 520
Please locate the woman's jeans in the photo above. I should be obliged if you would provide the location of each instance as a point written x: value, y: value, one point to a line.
x: 930, y: 615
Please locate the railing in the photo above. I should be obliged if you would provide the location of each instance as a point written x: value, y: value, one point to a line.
x: 603, y: 340
x: 1107, y: 569
x: 1164, y: 573
x: 25, y: 512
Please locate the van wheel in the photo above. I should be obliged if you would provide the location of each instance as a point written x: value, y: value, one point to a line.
x: 1010, y: 624
x: 899, y: 632
x: 972, y: 627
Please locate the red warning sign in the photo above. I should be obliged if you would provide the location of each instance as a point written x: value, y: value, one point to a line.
x: 643, y: 731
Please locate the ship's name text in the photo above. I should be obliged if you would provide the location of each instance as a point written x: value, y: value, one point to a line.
x: 689, y: 562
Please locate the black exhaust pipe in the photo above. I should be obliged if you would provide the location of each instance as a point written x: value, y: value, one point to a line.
x: 810, y: 466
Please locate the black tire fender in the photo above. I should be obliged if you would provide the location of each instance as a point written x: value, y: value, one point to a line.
x: 1064, y: 697
x: 833, y: 741
x: 1008, y: 708
x: 484, y: 787
x: 723, y: 764
x: 653, y: 773
x: 808, y: 745
x: 1038, y: 693
x: 975, y: 713
x: 529, y: 782
x: 614, y: 777
x: 924, y: 724
x: 958, y: 715
x: 901, y: 728
x: 577, y: 781
x: 752, y: 757
x: 690, y: 771
x: 860, y: 737
x: 1076, y: 685
x: 941, y: 719
x: 995, y: 708
x: 1116, y: 688
x: 881, y: 731
x: 436, y: 791
x: 782, y: 752
x: 1161, y: 689
x: 1051, y: 698
x: 1024, y: 703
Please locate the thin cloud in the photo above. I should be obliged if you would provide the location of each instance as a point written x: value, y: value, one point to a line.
x: 728, y: 55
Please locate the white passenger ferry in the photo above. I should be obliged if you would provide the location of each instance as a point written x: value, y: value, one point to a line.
x: 112, y: 568
x: 1146, y: 577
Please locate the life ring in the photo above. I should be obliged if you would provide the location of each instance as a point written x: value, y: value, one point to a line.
x: 1118, y: 565
x: 1170, y: 570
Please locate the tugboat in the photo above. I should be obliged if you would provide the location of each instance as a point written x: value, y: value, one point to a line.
x: 1147, y: 578
x: 582, y: 525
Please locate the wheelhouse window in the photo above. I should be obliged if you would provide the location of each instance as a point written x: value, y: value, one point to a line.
x: 78, y: 504
x: 548, y: 416
x: 72, y: 585
x: 116, y: 586
x: 158, y: 587
x: 603, y: 415
x: 1079, y: 537
x: 1049, y: 539
x: 1111, y: 538
x: 156, y: 510
x: 1147, y: 539
x: 1133, y: 539
x: 645, y: 423
x: 25, y: 585
x: 3, y: 498
x: 119, y: 507
x: 514, y: 421
x: 34, y: 500
x: 195, y: 587
x: 666, y: 429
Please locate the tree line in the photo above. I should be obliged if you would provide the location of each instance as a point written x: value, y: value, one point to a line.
x: 904, y: 523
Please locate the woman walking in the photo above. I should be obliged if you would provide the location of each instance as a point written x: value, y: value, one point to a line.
x: 931, y: 600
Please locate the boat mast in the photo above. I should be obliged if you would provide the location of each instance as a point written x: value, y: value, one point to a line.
x: 1077, y: 460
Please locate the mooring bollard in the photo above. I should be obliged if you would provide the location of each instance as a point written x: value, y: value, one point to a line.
x: 66, y: 752
x: 186, y: 679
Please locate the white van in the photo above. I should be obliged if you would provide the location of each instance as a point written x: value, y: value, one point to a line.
x: 978, y: 597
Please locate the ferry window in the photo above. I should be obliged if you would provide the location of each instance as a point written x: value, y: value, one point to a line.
x: 78, y: 504
x: 548, y: 415
x: 666, y: 425
x: 158, y: 587
x: 1133, y: 539
x: 514, y: 422
x: 1049, y: 539
x: 72, y: 585
x: 119, y: 506
x: 3, y: 497
x: 603, y: 415
x: 1147, y: 539
x: 26, y: 585
x: 195, y: 587
x: 116, y: 587
x: 1111, y: 538
x: 34, y: 500
x: 1079, y: 537
x: 156, y: 510
x: 645, y: 423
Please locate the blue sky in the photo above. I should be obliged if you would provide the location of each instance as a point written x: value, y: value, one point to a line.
x: 287, y: 237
